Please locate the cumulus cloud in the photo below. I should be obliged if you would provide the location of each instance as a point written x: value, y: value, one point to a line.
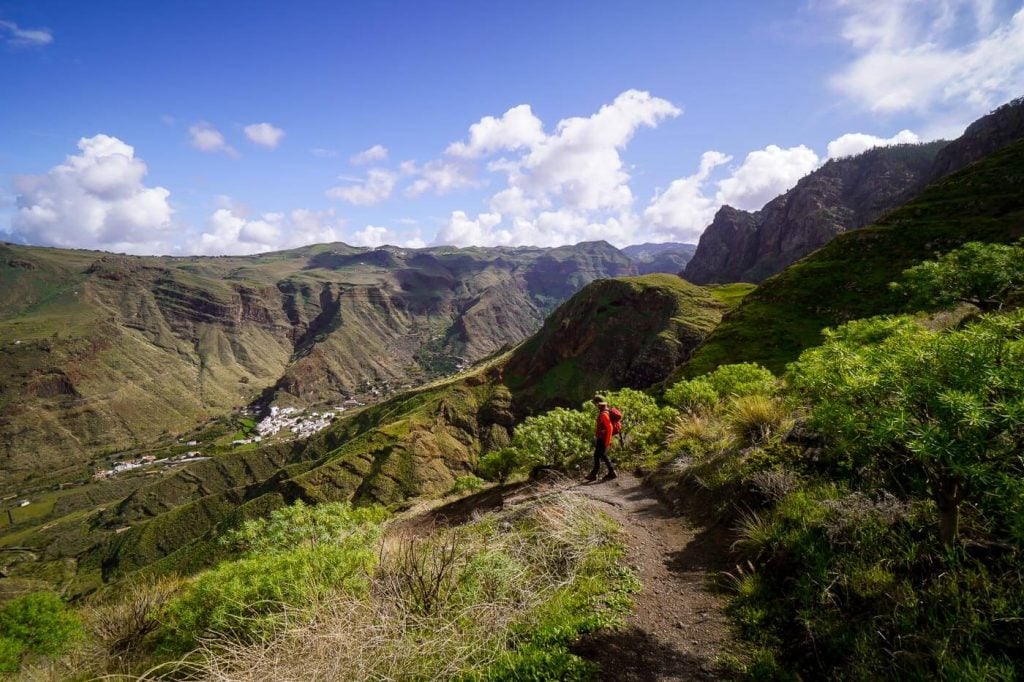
x: 14, y: 35
x: 517, y: 128
x: 852, y: 144
x: 95, y: 199
x: 206, y: 138
x: 377, y: 152
x: 374, y: 189
x: 229, y: 231
x: 561, y: 187
x: 440, y: 176
x: 931, y: 57
x: 685, y: 209
x: 264, y: 134
x: 765, y: 174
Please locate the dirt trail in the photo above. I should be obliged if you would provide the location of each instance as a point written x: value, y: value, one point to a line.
x: 678, y: 627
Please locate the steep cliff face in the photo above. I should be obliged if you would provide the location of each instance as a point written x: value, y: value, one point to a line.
x: 848, y: 278
x: 842, y: 195
x: 984, y: 136
x: 102, y: 352
x: 740, y: 246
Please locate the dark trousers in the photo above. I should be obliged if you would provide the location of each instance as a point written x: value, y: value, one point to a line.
x: 601, y: 455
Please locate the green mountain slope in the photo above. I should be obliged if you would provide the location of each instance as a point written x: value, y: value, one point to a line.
x: 99, y: 353
x: 624, y: 332
x: 415, y: 444
x: 848, y: 278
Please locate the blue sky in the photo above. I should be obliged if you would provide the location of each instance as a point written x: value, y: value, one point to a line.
x: 233, y: 127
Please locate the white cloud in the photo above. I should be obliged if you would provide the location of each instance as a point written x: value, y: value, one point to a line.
x: 264, y: 134
x: 517, y: 128
x: 230, y: 232
x: 684, y: 209
x: 372, y: 236
x: 765, y: 174
x: 948, y: 58
x: 563, y: 187
x: 852, y: 144
x: 206, y: 138
x: 321, y: 153
x: 377, y: 152
x: 376, y: 188
x: 95, y: 199
x: 440, y: 175
x: 24, y: 37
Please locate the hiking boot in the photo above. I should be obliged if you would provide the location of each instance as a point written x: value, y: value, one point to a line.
x: 609, y: 476
x: 591, y: 477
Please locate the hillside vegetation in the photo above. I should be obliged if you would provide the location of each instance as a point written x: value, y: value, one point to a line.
x: 102, y: 353
x: 849, y: 277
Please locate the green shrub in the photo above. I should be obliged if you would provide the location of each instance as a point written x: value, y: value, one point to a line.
x: 295, y: 557
x: 498, y: 465
x: 304, y: 525
x: 938, y: 414
x: 38, y: 623
x: 709, y: 391
x: 466, y: 484
x: 10, y: 654
x: 977, y: 273
x: 249, y: 598
x: 559, y: 438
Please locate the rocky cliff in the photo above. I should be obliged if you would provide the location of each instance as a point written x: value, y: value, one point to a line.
x: 842, y: 195
x: 741, y: 246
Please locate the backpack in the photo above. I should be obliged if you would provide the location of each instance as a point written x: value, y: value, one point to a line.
x: 615, y: 416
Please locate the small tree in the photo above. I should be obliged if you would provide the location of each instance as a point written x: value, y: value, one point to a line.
x: 976, y: 273
x: 554, y: 438
x: 923, y: 409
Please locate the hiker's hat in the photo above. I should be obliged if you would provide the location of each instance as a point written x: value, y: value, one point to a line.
x: 599, y: 400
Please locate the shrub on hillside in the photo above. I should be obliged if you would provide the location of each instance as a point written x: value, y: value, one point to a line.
x: 981, y: 274
x: 465, y: 484
x: 939, y: 415
x: 707, y: 392
x: 754, y: 419
x: 295, y: 557
x: 559, y: 438
x: 37, y: 623
x: 498, y: 465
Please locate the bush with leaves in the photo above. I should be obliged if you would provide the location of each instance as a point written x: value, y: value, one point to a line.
x: 936, y: 414
x: 297, y: 556
x: 558, y: 438
x: 498, y: 465
x: 38, y: 623
x: 705, y: 393
x: 301, y: 525
x: 981, y: 274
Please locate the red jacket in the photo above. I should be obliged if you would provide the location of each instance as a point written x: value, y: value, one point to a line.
x: 603, y: 428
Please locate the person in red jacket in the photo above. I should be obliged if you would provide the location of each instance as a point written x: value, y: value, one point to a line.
x: 602, y: 440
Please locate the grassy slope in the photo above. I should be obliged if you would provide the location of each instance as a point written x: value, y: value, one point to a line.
x: 630, y: 331
x: 848, y: 278
x: 415, y: 444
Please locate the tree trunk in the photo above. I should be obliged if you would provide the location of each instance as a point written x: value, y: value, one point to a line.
x: 947, y: 498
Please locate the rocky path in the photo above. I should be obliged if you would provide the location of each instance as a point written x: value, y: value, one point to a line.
x: 677, y: 628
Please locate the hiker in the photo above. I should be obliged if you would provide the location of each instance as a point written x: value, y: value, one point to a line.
x: 603, y: 433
